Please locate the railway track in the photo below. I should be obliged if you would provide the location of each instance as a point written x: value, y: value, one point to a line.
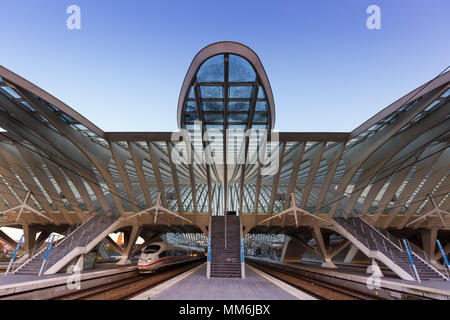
x: 128, y: 288
x: 319, y: 289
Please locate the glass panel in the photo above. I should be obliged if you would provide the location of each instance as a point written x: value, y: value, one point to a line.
x: 212, y: 70
x: 28, y: 106
x: 211, y: 91
x: 260, y: 118
x: 67, y: 118
x: 214, y: 117
x: 11, y: 92
x: 238, y: 106
x: 259, y: 126
x: 213, y: 106
x: 261, y: 94
x: 191, y: 106
x: 214, y: 126
x: 261, y: 106
x: 240, y: 70
x: 191, y: 117
x: 237, y: 126
x: 191, y: 93
x: 241, y: 91
x: 237, y: 117
x: 446, y: 93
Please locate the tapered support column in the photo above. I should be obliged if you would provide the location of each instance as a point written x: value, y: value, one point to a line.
x: 29, y: 236
x: 322, y: 244
x: 130, y: 238
x: 292, y: 250
x: 351, y: 254
x: 429, y: 246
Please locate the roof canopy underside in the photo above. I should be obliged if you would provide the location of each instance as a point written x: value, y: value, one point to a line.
x: 387, y: 169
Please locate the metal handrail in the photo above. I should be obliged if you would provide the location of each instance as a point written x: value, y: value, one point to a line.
x: 385, y: 234
x: 11, y: 262
x: 44, y: 262
x: 32, y: 255
x: 427, y: 262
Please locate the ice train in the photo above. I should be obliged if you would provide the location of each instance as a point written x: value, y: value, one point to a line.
x: 160, y: 254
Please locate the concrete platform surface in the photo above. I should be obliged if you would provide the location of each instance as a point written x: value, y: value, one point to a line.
x: 429, y: 289
x: 19, y: 283
x: 196, y: 286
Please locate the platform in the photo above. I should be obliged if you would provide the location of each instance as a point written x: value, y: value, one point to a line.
x: 17, y: 284
x: 427, y: 289
x: 194, y: 285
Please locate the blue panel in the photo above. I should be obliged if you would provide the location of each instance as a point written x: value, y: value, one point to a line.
x: 237, y: 126
x: 240, y: 70
x: 261, y: 106
x: 214, y: 126
x: 11, y: 92
x: 213, y: 106
x: 191, y: 94
x: 212, y: 70
x: 211, y: 91
x: 214, y: 117
x: 190, y: 117
x: 237, y: 117
x: 191, y: 106
x: 239, y: 106
x: 27, y: 105
x: 261, y: 94
x: 260, y: 118
x: 241, y: 91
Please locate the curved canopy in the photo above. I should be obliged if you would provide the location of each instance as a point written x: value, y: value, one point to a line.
x: 226, y: 87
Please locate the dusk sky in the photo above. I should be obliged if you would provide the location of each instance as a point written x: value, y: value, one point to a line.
x: 124, y: 68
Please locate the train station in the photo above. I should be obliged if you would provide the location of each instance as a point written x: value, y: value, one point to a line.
x: 226, y: 207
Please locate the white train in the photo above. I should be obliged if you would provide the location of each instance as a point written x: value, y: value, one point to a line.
x: 161, y: 254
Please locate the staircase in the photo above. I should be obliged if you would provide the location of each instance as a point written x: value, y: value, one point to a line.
x: 225, y: 263
x: 381, y: 245
x: 80, y: 241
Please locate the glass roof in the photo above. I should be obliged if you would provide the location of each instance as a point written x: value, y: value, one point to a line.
x: 229, y: 96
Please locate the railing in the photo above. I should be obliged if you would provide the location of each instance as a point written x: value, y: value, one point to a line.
x: 11, y: 262
x: 44, y: 262
x: 411, y: 260
x: 208, y: 265
x: 387, y: 235
x: 445, y: 258
x: 40, y: 248
x: 421, y: 254
x: 242, y: 250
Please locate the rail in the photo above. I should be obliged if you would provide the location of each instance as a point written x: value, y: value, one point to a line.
x: 44, y: 262
x: 445, y: 258
x: 411, y: 259
x: 421, y: 254
x: 242, y: 249
x: 11, y: 262
x: 208, y: 264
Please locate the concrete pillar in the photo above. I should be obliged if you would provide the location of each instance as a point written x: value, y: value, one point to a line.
x: 80, y: 263
x: 292, y: 250
x: 130, y: 238
x: 321, y: 243
x: 351, y: 254
x: 29, y: 237
x: 429, y: 246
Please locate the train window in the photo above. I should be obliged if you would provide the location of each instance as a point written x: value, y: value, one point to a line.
x: 152, y: 248
x: 179, y: 252
x: 166, y: 253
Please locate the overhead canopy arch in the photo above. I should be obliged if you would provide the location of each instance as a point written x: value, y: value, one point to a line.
x: 226, y: 87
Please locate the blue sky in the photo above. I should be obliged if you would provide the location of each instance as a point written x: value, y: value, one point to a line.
x: 123, y: 70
